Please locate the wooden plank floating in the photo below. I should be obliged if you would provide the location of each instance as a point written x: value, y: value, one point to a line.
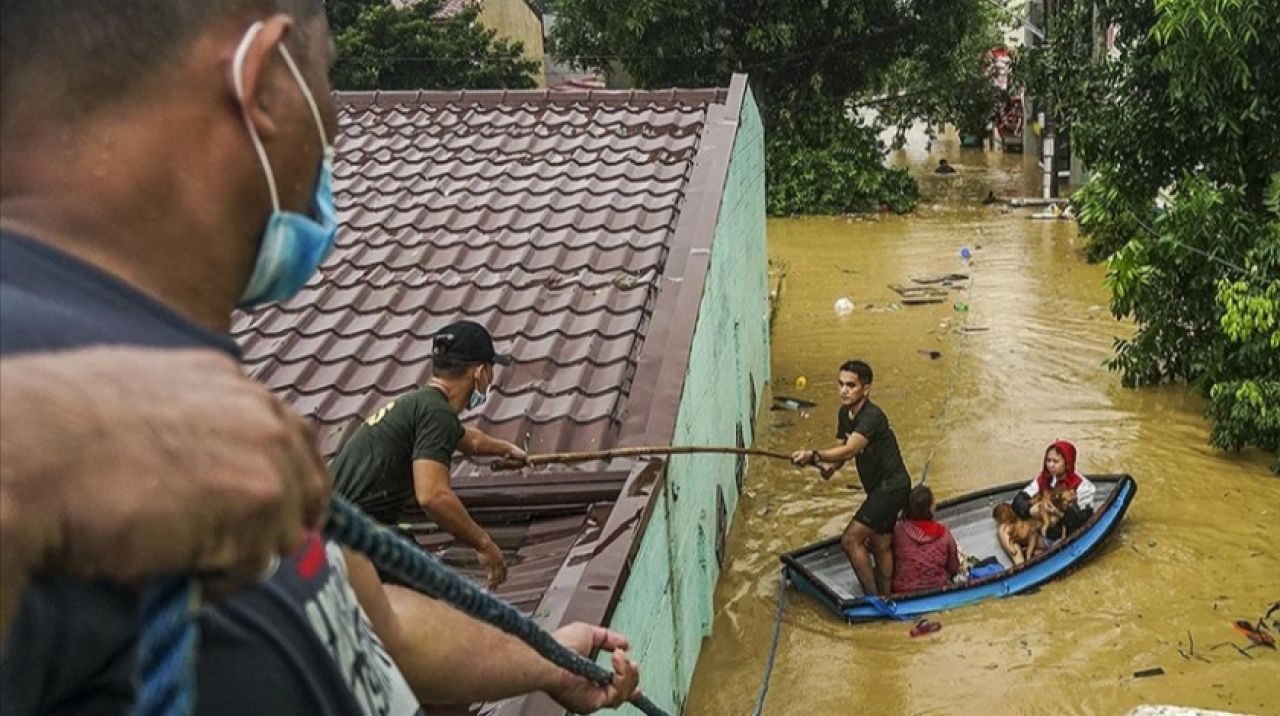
x: 916, y: 295
x: 943, y: 278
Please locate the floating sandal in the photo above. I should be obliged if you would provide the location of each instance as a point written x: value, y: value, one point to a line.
x: 925, y: 626
x: 1259, y: 637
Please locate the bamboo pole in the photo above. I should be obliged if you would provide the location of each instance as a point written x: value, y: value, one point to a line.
x: 639, y: 451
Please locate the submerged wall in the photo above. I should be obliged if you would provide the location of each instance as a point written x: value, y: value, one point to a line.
x: 666, y: 605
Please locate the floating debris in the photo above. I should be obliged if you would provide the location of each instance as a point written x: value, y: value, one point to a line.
x: 940, y: 278
x: 843, y: 306
x: 786, y: 402
x: 915, y: 295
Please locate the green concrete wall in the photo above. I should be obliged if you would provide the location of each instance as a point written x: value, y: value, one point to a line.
x: 666, y: 605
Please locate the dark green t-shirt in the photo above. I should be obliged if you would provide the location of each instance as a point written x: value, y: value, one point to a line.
x: 374, y: 469
x: 880, y: 465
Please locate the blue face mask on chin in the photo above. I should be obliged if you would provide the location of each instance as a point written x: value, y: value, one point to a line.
x: 478, y: 398
x: 293, y: 246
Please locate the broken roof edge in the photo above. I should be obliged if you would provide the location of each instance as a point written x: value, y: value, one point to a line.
x: 541, y: 488
x: 364, y: 99
x: 587, y: 590
x: 664, y: 357
x: 607, y: 564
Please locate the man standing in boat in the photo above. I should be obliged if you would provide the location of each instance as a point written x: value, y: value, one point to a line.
x: 866, y: 437
x: 403, y: 450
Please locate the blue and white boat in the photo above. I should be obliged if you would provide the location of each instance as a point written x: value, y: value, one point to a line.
x: 822, y: 570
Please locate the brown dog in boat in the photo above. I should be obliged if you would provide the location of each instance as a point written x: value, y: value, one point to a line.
x: 1050, y: 506
x: 1020, y: 538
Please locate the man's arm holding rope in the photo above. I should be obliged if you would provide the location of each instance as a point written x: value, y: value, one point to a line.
x: 449, y: 658
x: 79, y: 428
x: 477, y: 443
x: 828, y: 460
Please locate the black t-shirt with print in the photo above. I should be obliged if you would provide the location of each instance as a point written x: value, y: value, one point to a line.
x: 298, y: 643
x: 880, y: 465
x: 374, y: 469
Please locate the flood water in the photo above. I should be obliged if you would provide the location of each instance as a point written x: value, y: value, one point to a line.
x: 1197, y: 550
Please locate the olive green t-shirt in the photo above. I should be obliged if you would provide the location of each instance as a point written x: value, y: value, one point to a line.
x: 374, y: 469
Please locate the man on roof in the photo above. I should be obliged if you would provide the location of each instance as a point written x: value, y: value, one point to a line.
x: 162, y: 163
x: 403, y: 451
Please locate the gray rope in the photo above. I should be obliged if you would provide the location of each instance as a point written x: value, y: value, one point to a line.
x: 951, y: 383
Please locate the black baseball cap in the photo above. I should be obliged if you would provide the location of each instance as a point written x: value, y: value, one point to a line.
x: 466, y: 342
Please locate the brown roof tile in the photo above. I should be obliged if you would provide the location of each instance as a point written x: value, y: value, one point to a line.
x: 575, y: 225
x: 546, y: 217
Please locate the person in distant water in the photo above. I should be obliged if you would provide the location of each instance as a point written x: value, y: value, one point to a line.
x: 925, y: 555
x: 944, y: 168
x: 403, y: 451
x: 865, y: 436
x: 1059, y: 471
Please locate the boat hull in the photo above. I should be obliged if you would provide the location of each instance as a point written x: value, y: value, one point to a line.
x: 821, y: 570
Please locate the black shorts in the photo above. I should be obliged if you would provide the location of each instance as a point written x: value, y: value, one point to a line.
x: 880, y: 511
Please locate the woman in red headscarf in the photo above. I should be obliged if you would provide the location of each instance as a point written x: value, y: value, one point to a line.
x: 1059, y: 470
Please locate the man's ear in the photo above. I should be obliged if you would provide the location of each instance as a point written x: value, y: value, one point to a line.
x: 261, y: 75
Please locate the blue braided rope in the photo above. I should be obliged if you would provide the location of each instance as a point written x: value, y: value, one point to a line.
x: 167, y: 647
x: 393, y: 553
x: 773, y: 648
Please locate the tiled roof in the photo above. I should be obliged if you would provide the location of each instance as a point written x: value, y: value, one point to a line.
x: 546, y: 217
x: 575, y: 225
x: 448, y: 8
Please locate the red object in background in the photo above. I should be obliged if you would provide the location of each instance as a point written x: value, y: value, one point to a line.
x: 1009, y: 119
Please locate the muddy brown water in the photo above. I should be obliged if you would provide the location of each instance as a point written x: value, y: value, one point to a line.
x: 1198, y: 548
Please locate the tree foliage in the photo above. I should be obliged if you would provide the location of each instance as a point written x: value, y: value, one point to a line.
x: 1180, y: 126
x: 959, y: 90
x: 382, y: 46
x: 811, y: 64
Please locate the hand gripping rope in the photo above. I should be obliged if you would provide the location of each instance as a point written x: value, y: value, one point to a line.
x: 167, y: 645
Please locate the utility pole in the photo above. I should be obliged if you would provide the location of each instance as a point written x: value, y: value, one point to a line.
x: 1048, y: 160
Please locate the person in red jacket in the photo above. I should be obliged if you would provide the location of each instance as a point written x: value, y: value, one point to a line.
x: 925, y: 555
x: 1059, y: 471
